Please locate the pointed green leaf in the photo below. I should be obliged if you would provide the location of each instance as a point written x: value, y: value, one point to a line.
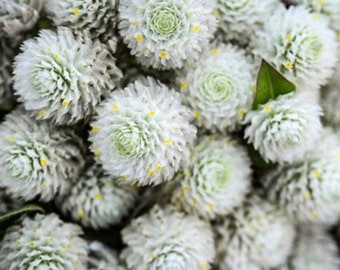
x: 270, y: 84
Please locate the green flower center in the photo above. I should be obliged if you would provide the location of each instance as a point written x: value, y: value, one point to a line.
x: 217, y: 87
x: 165, y: 22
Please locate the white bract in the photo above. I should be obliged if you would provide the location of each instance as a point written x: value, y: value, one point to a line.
x: 142, y: 133
x: 165, y: 34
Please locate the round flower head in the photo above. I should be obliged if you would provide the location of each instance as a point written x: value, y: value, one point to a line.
x: 103, y: 258
x: 43, y: 242
x: 309, y: 190
x: 164, y: 34
x: 6, y: 58
x: 62, y: 78
x: 218, y: 87
x: 142, y: 133
x: 96, y: 200
x: 282, y: 130
x: 327, y: 8
x: 216, y: 178
x: 240, y: 19
x: 94, y: 18
x: 314, y: 250
x: 166, y: 239
x: 300, y: 45
x: 255, y: 233
x: 37, y: 159
x: 17, y: 16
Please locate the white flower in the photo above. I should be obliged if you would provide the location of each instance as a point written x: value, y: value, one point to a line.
x: 6, y: 58
x: 327, y: 8
x: 36, y: 159
x: 240, y: 19
x: 94, y: 18
x: 217, y: 87
x: 165, y: 34
x: 215, y: 180
x: 43, y: 242
x: 314, y: 250
x: 254, y: 234
x: 309, y: 190
x: 166, y: 239
x: 142, y: 133
x: 62, y: 78
x: 97, y: 200
x: 103, y: 258
x: 282, y: 130
x: 17, y: 16
x: 300, y: 45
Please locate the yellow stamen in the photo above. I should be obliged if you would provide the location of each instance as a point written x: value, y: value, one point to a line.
x: 317, y: 173
x: 320, y: 2
x: 152, y: 114
x: 31, y: 244
x: 139, y: 38
x: 97, y: 196
x: 215, y: 52
x: 150, y: 172
x: 241, y: 112
x: 194, y: 202
x: 168, y: 141
x: 267, y: 108
x: 123, y: 177
x: 42, y: 113
x: 81, y: 213
x: 288, y: 37
x: 43, y: 162
x: 96, y: 153
x: 75, y: 11
x: 115, y: 107
x: 95, y: 129
x: 57, y: 56
x: 65, y: 102
x: 288, y: 65
x: 153, y: 255
x: 314, y: 215
x: 217, y: 14
x: 184, y: 85
x: 11, y: 138
x: 163, y: 54
x: 203, y: 265
x: 196, y: 28
x: 210, y: 206
x: 197, y: 114
x: 159, y: 168
x: 307, y: 196
x: 185, y: 188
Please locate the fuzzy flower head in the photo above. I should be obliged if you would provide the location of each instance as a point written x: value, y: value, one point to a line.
x: 61, y: 77
x: 97, y: 200
x: 6, y: 58
x: 255, y: 233
x: 309, y: 190
x: 37, y: 159
x: 142, y: 133
x: 43, y: 242
x: 95, y: 18
x: 282, y: 130
x: 314, y: 250
x: 17, y: 16
x: 164, y: 34
x: 216, y: 178
x: 218, y: 87
x: 300, y: 45
x: 327, y: 8
x: 167, y: 239
x: 240, y: 19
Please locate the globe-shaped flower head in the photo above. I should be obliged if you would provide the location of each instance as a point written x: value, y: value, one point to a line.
x: 43, y: 242
x: 240, y: 19
x: 282, y: 130
x: 309, y: 190
x: 255, y: 235
x: 166, y: 239
x: 218, y: 87
x: 37, y: 159
x: 299, y: 45
x: 61, y: 77
x: 97, y: 200
x: 216, y: 178
x: 164, y: 34
x: 95, y: 18
x: 142, y: 133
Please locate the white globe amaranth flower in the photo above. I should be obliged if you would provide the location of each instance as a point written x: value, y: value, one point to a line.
x: 103, y: 258
x: 299, y: 45
x: 43, y: 242
x: 240, y: 19
x: 255, y: 234
x: 61, y: 77
x: 215, y: 180
x: 217, y: 87
x: 97, y: 200
x: 37, y: 159
x: 327, y: 8
x: 7, y: 54
x: 309, y: 190
x: 166, y: 34
x: 142, y: 133
x: 314, y: 250
x: 282, y: 130
x: 179, y: 242
x: 17, y: 16
x: 95, y: 18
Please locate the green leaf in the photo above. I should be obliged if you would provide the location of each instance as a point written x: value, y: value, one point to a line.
x: 257, y: 159
x: 7, y: 218
x: 270, y: 84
